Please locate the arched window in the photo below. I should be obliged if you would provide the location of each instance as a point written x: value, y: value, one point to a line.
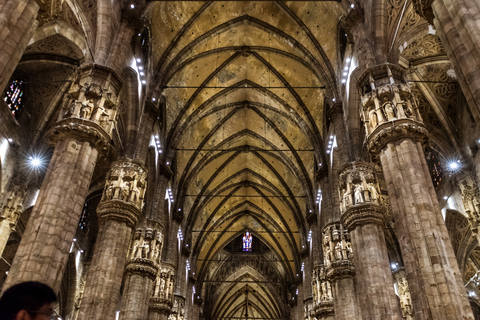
x: 14, y: 96
x: 343, y: 43
x: 435, y: 167
x: 247, y: 241
x: 83, y: 224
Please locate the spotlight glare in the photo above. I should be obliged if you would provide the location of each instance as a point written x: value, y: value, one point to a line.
x: 35, y: 162
x: 352, y: 6
x: 132, y: 6
x: 453, y: 165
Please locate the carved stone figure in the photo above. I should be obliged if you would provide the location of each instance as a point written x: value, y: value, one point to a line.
x: 358, y: 194
x: 373, y: 119
x: 373, y: 193
x: 389, y: 111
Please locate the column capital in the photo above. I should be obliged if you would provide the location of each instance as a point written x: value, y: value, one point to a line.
x: 143, y: 267
x: 126, y: 184
x: 336, y: 244
x: 359, y: 194
x: 147, y: 247
x: 363, y: 214
x: 81, y: 131
x: 324, y: 309
x: 160, y: 305
x: 340, y: 269
x: 424, y: 9
x: 393, y: 132
x: 90, y: 107
x: 118, y: 210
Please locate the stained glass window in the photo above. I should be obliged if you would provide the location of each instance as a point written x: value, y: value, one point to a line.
x: 83, y: 224
x: 435, y: 170
x: 14, y: 96
x: 247, y: 241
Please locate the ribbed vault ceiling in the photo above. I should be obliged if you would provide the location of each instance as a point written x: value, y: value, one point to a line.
x: 244, y: 85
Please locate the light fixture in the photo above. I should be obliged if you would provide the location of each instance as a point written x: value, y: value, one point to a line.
x: 35, y: 162
x: 10, y: 140
x: 144, y: 82
x: 453, y: 165
x: 154, y: 99
x: 74, y: 239
x: 344, y: 80
x: 472, y: 294
x: 348, y: 60
x: 333, y: 99
x: 142, y: 73
x: 352, y: 6
x: 168, y: 163
x: 445, y: 197
x: 132, y: 6
x: 139, y: 60
x: 140, y: 68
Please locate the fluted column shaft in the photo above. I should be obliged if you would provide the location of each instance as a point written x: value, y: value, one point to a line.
x: 43, y: 251
x: 17, y: 24
x: 396, y: 138
x: 364, y: 218
x: 118, y: 213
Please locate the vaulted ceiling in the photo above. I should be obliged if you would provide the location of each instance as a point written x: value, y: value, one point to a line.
x: 245, y: 86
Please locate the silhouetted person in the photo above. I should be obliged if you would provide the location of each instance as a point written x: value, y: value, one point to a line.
x: 28, y: 301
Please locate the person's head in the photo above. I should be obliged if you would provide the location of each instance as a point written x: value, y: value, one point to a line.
x: 27, y: 301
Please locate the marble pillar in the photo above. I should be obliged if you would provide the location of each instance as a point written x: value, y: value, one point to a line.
x: 79, y: 138
x: 363, y: 216
x: 396, y: 138
x: 340, y: 271
x: 162, y: 298
x: 141, y: 270
x: 118, y: 213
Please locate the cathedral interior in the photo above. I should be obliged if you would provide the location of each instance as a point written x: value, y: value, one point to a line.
x: 219, y: 160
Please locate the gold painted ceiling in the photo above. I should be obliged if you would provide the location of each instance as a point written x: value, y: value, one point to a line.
x: 245, y: 85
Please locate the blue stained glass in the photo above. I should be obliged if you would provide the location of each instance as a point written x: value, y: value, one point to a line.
x: 247, y: 241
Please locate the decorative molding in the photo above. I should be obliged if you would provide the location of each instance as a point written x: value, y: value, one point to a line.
x: 143, y: 267
x: 395, y: 131
x: 340, y: 269
x: 118, y: 210
x: 363, y: 214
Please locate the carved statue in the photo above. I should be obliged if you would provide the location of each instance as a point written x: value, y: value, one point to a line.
x: 373, y: 193
x: 358, y: 194
x: 338, y: 251
x: 125, y: 191
x: 389, y: 111
x: 86, y: 109
x: 373, y: 119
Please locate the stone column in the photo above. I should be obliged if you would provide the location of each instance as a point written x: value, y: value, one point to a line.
x: 118, y: 213
x: 12, y: 208
x: 338, y: 256
x: 141, y: 270
x: 403, y: 294
x: 363, y: 216
x: 79, y: 138
x: 161, y: 301
x: 17, y: 24
x: 456, y: 22
x: 396, y: 137
x: 322, y: 295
